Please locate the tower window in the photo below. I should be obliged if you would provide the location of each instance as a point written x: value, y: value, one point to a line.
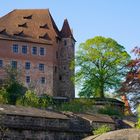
x: 60, y: 77
x: 1, y: 63
x: 43, y: 80
x: 57, y: 40
x: 56, y: 54
x: 15, y: 48
x: 27, y: 65
x: 65, y: 42
x: 34, y: 50
x: 24, y: 49
x: 55, y: 69
x: 28, y: 79
x: 14, y: 64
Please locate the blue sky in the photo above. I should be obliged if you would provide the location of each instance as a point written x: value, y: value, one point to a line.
x: 118, y: 19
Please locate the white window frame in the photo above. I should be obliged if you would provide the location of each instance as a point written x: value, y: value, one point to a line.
x: 39, y: 67
x: 29, y: 79
x: 26, y: 65
x: 44, y: 51
x: 15, y: 45
x: 36, y: 50
x: 22, y: 48
x: 12, y: 64
x: 41, y: 80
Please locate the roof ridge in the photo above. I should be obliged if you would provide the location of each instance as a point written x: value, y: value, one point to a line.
x: 30, y: 9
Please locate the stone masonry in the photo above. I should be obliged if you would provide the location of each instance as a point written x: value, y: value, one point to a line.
x: 20, y: 123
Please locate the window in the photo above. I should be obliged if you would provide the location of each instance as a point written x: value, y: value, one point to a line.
x: 34, y: 50
x: 60, y: 77
x: 14, y: 64
x: 1, y: 63
x: 56, y: 54
x: 27, y: 65
x: 28, y: 79
x: 28, y: 17
x: 42, y: 51
x: 45, y: 26
x: 24, y: 49
x: 65, y: 42
x: 23, y: 25
x: 43, y: 80
x: 57, y: 40
x: 15, y: 48
x: 41, y: 67
x: 55, y: 69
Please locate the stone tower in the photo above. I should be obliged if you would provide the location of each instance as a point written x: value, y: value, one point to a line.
x: 66, y: 53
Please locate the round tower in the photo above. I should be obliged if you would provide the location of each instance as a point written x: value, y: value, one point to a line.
x: 66, y: 53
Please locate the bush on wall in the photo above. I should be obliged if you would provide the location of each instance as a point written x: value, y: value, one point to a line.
x: 31, y: 99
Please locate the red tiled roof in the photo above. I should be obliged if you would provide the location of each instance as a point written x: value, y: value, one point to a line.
x: 27, y: 25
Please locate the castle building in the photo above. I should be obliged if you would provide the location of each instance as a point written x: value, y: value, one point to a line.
x: 31, y: 42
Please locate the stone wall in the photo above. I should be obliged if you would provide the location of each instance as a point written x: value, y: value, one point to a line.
x: 25, y: 123
x: 15, y: 125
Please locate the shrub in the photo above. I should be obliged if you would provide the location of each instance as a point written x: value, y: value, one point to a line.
x: 110, y: 111
x: 101, y: 130
x: 31, y: 99
x: 77, y: 105
x: 3, y: 96
x: 138, y: 123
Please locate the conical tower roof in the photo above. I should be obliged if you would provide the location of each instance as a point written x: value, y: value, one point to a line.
x: 66, y: 31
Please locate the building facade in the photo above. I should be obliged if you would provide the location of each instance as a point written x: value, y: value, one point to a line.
x: 31, y: 42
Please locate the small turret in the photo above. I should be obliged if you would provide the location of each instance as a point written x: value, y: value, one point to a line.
x: 66, y: 51
x: 66, y: 32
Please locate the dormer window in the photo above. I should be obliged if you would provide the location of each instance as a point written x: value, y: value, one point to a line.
x: 45, y: 26
x: 45, y: 37
x: 3, y: 32
x: 23, y: 25
x: 28, y: 17
x: 19, y: 34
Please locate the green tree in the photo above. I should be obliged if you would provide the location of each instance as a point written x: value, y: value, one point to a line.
x: 100, y: 66
x: 12, y: 84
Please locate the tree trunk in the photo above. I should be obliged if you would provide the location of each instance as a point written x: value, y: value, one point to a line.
x: 102, y: 92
